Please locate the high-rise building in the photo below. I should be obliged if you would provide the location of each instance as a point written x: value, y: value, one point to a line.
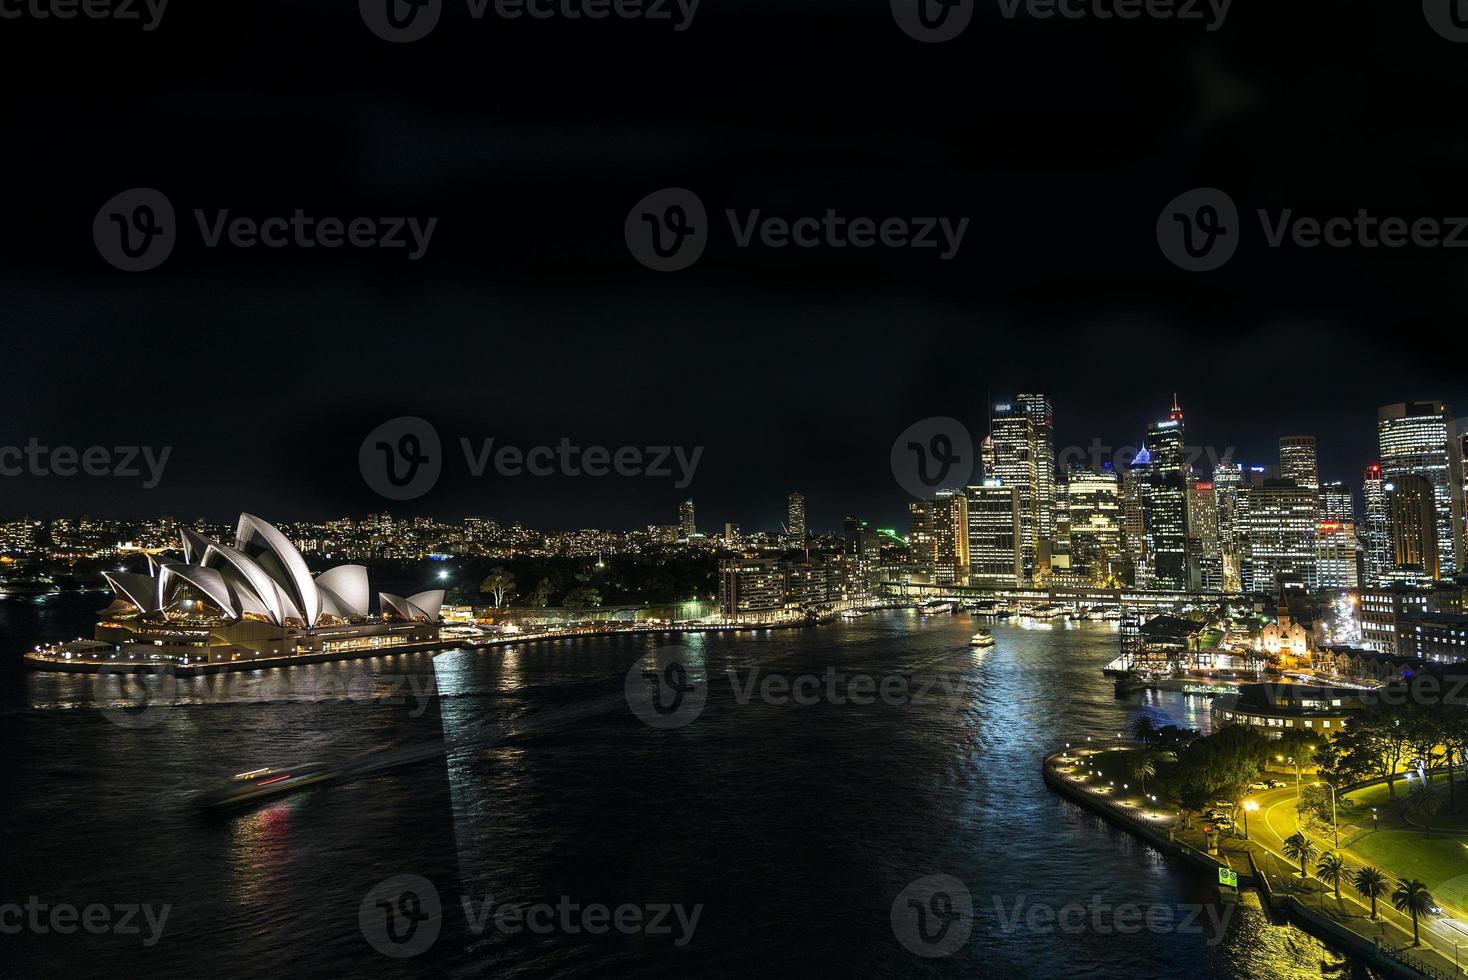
x: 1042, y: 414
x: 1095, y: 506
x: 1207, y: 549
x: 795, y: 519
x: 1165, y: 503
x: 1376, y: 531
x: 995, y: 558
x: 1335, y: 554
x: 922, y: 544
x: 950, y: 528
x: 1228, y: 477
x: 1417, y: 438
x: 1133, y: 525
x: 1014, y: 448
x: 1337, y: 502
x: 1412, y: 512
x: 1298, y: 461
x: 1277, y: 521
x: 687, y: 526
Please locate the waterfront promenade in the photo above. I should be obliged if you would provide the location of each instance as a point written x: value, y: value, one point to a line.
x: 1093, y: 775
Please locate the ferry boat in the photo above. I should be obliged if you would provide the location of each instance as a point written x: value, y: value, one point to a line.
x: 1047, y: 611
x: 983, y: 638
x: 853, y: 614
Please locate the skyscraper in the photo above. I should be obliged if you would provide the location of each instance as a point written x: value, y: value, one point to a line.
x: 1277, y: 521
x: 1014, y: 448
x: 1042, y: 414
x: 1335, y: 554
x: 1376, y: 530
x: 1417, y: 439
x: 1095, y: 506
x: 687, y: 526
x: 1336, y: 502
x: 1412, y: 506
x: 1228, y: 477
x: 1165, y: 503
x: 1203, y: 532
x: 994, y: 536
x: 795, y: 519
x: 1298, y: 461
x: 950, y: 528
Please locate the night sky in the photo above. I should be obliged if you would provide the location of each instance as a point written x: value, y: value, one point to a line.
x: 528, y: 320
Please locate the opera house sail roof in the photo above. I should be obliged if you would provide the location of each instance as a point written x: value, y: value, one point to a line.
x: 261, y: 577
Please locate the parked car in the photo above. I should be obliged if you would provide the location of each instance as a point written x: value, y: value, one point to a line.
x: 1275, y: 783
x: 1259, y: 786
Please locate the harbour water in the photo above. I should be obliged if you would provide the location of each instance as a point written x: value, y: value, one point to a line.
x: 792, y: 824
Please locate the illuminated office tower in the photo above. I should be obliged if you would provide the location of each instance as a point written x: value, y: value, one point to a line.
x: 1336, y: 502
x: 1165, y: 503
x: 1014, y: 450
x: 1228, y: 477
x: 1298, y: 461
x: 1417, y: 439
x: 1376, y: 530
x: 1042, y: 414
x: 995, y: 557
x: 1133, y: 531
x: 1277, y: 521
x: 1094, y: 502
x: 687, y: 526
x: 1207, y: 568
x: 1412, y: 513
x: 950, y: 528
x: 921, y: 541
x: 1335, y: 554
x: 795, y: 519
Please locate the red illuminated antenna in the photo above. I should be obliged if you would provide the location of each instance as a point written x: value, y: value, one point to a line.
x: 1176, y: 412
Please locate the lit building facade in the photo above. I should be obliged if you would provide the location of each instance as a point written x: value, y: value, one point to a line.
x: 995, y: 555
x: 1277, y: 525
x: 1417, y: 439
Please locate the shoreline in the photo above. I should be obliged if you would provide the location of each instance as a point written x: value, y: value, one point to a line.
x: 35, y: 661
x: 1279, y: 907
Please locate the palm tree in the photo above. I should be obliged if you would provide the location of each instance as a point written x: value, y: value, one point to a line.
x: 1412, y: 896
x: 1371, y: 883
x: 1142, y: 769
x: 1332, y: 868
x: 1297, y: 847
x: 1144, y: 729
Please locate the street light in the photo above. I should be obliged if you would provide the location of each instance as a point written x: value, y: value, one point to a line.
x: 1249, y: 807
x: 1336, y: 827
x: 1373, y: 820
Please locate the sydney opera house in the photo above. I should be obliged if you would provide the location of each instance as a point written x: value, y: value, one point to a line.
x: 256, y: 600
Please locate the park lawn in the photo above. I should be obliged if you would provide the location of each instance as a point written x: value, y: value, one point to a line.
x: 1376, y: 796
x: 1440, y: 862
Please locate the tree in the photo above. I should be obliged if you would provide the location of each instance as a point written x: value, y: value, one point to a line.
x: 541, y: 597
x: 581, y: 597
x: 1383, y: 737
x: 1332, y: 868
x: 1315, y: 804
x: 1142, y: 769
x: 1144, y: 729
x: 1371, y: 883
x: 1423, y: 803
x: 1298, y: 743
x: 499, y: 583
x: 1413, y: 897
x: 1298, y: 847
